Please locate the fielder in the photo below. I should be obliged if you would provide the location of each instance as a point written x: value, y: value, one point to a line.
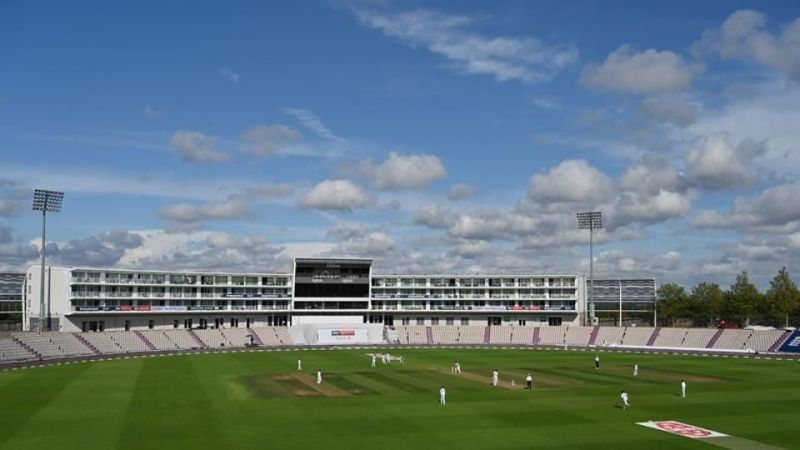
x: 456, y: 367
x: 442, y: 396
x: 529, y: 382
x: 636, y: 370
x: 373, y: 360
x: 319, y: 377
x: 624, y: 396
x: 495, y: 377
x: 299, y: 365
x: 596, y: 362
x: 683, y: 388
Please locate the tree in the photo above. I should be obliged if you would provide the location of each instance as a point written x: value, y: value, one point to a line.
x: 673, y: 302
x: 741, y: 300
x: 706, y: 302
x: 783, y: 296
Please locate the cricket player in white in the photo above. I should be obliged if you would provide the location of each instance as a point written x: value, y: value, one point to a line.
x: 596, y: 362
x: 624, y: 396
x: 529, y: 382
x: 683, y: 388
x: 636, y: 370
x: 300, y: 365
x: 495, y: 377
x: 442, y: 396
x: 319, y: 377
x: 373, y: 360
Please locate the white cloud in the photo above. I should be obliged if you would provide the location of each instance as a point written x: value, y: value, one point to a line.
x: 229, y: 241
x: 636, y: 208
x: 434, y: 216
x: 265, y: 140
x: 776, y: 209
x: 670, y: 110
x: 404, y: 171
x: 718, y: 165
x: 194, y: 146
x: 545, y: 103
x: 341, y: 195
x: 652, y: 178
x: 461, y: 191
x: 505, y: 58
x: 489, y: 225
x: 572, y: 181
x: 370, y: 244
x: 770, y: 117
x: 271, y: 191
x: 230, y: 75
x: 742, y: 36
x: 311, y: 121
x: 151, y: 112
x: 627, y: 70
x: 233, y: 208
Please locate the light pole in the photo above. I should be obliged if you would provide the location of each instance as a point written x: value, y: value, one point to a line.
x: 45, y: 201
x: 590, y: 220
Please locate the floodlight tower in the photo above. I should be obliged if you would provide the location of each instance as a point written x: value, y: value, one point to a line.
x: 45, y: 201
x: 590, y: 220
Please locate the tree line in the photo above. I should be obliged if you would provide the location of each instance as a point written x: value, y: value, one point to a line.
x: 743, y: 304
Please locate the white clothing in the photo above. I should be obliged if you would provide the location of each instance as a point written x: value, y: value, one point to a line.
x: 319, y: 377
x: 373, y: 360
x: 300, y: 364
x: 495, y: 378
x: 683, y: 389
x: 442, y: 396
x: 624, y: 397
x: 635, y: 370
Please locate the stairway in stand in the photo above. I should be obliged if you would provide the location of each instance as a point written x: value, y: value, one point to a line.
x: 653, y: 336
x: 593, y: 336
x: 86, y: 343
x: 149, y: 344
x: 714, y: 338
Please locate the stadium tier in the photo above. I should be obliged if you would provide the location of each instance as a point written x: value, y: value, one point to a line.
x: 24, y: 347
x: 316, y: 291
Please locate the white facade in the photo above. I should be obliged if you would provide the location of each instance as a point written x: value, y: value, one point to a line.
x: 89, y: 299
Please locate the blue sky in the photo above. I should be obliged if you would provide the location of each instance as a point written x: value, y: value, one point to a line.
x: 433, y: 137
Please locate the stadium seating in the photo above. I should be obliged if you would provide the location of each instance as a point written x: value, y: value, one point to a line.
x: 637, y: 336
x: 182, y: 339
x: 553, y: 335
x: 500, y: 335
x: 273, y: 336
x: 55, y: 345
x: 102, y: 342
x: 213, y: 338
x: 445, y: 335
x: 697, y: 337
x: 578, y: 335
x: 159, y: 340
x: 239, y: 337
x: 471, y: 334
x: 670, y: 337
x: 128, y: 341
x: 733, y: 340
x: 762, y: 340
x: 10, y: 351
x: 609, y: 336
x: 413, y: 334
x: 522, y: 335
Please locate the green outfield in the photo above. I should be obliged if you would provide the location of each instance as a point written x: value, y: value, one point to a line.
x: 258, y: 400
